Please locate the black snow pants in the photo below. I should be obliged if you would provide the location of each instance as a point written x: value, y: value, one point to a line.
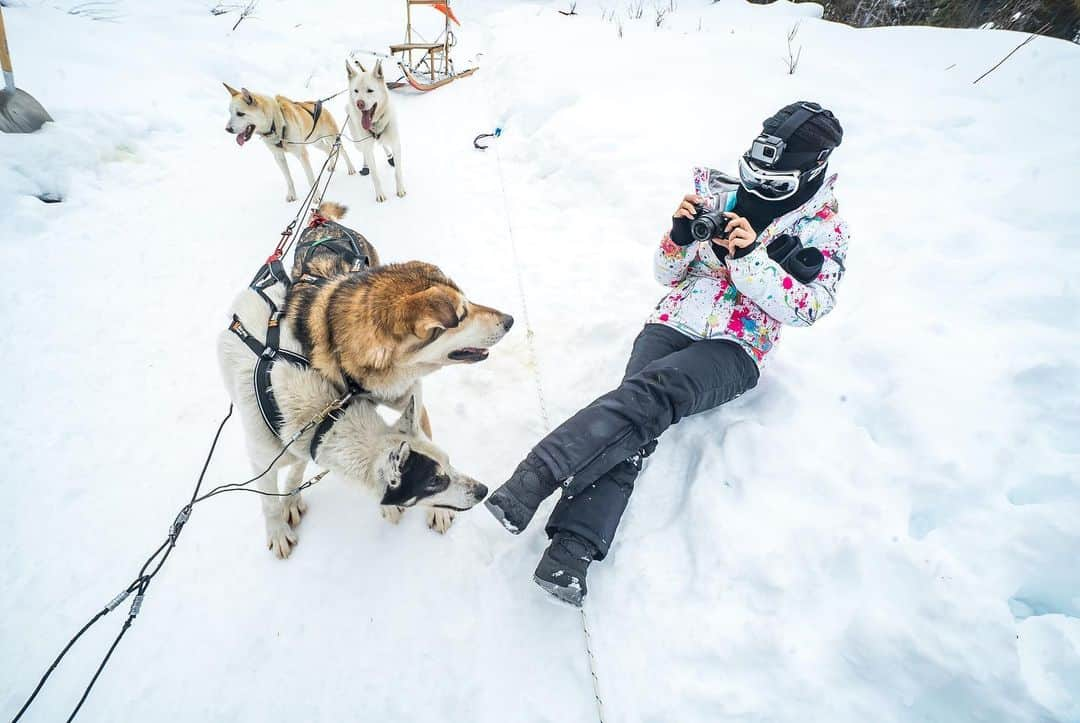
x: 669, y: 376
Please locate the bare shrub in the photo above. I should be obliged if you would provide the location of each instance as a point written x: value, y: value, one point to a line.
x: 792, y: 59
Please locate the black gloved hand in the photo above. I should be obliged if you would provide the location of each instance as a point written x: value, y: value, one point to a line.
x: 803, y: 263
x: 781, y: 248
x: 680, y: 231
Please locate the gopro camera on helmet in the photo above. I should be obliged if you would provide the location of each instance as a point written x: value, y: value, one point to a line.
x: 766, y: 150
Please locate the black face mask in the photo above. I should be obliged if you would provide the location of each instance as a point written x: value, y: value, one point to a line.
x: 760, y: 213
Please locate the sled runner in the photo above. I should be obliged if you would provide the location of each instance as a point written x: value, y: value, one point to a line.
x: 427, y: 65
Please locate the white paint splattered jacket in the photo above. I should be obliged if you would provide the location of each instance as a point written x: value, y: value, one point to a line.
x: 748, y: 299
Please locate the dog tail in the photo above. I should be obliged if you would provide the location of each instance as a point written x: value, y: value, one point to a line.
x: 332, y: 210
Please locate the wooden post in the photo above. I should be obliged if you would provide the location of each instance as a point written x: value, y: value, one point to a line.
x: 446, y: 43
x: 408, y: 28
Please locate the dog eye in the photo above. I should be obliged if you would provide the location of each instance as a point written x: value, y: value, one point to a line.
x: 355, y: 90
x: 371, y: 90
x: 239, y: 114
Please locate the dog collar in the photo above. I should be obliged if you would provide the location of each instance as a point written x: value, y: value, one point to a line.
x: 273, y: 131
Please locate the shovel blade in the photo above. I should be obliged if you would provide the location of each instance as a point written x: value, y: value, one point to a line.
x: 21, y: 113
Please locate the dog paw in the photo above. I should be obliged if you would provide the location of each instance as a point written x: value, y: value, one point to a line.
x: 392, y: 513
x: 295, y: 507
x: 380, y: 197
x: 440, y: 520
x: 281, y: 539
x: 401, y: 193
x: 289, y: 198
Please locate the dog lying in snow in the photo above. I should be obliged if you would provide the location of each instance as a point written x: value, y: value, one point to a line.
x: 372, y: 121
x: 285, y: 127
x: 383, y: 329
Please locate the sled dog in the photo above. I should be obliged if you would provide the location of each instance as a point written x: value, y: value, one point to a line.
x: 372, y: 121
x: 285, y: 127
x: 387, y: 327
x: 381, y: 330
x: 397, y: 462
x: 327, y: 248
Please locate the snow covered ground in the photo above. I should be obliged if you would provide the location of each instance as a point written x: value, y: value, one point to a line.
x: 887, y: 529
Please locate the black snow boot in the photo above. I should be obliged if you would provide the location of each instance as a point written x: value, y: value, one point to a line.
x: 563, y: 567
x: 515, y: 502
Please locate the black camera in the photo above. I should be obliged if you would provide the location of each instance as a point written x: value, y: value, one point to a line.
x: 708, y: 224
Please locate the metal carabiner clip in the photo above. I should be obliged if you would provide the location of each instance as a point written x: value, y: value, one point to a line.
x: 476, y: 141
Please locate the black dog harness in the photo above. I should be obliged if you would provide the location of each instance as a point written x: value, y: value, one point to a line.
x: 315, y: 114
x: 342, y: 242
x: 271, y: 274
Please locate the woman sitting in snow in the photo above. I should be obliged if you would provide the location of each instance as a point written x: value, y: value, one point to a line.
x: 780, y: 263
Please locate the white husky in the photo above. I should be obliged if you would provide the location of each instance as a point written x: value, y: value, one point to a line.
x: 372, y: 121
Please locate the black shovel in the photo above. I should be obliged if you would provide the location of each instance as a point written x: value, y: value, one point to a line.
x: 19, y: 112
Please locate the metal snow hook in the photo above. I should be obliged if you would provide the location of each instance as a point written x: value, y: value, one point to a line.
x: 483, y: 147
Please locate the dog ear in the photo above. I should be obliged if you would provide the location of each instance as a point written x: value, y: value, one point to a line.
x: 378, y: 69
x: 398, y: 458
x: 247, y: 96
x: 409, y: 421
x: 432, y: 310
x: 232, y: 91
x: 349, y: 69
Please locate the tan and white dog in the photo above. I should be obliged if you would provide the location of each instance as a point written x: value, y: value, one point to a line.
x: 372, y: 121
x: 285, y: 127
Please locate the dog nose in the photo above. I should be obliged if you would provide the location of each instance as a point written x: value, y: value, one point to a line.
x: 507, y: 321
x: 480, y: 492
x: 228, y: 129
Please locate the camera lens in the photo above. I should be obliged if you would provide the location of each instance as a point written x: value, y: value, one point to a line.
x: 702, y: 228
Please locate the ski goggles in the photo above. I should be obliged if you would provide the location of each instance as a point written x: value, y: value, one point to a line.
x: 772, y: 185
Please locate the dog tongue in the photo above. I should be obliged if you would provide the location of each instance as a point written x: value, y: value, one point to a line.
x: 241, y: 138
x: 365, y: 118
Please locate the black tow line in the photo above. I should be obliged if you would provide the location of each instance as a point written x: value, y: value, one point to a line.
x: 156, y: 560
x: 482, y: 137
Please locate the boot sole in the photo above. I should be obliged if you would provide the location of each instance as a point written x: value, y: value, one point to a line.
x: 499, y: 514
x: 565, y: 595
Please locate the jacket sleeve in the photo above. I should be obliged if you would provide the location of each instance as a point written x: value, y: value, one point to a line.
x: 762, y: 280
x: 672, y: 260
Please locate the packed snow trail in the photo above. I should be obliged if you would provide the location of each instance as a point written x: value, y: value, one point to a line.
x: 530, y: 337
x: 885, y: 529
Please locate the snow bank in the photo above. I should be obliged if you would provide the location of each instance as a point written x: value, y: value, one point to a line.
x: 886, y: 529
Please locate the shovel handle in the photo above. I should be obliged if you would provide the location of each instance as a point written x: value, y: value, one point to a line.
x: 5, y: 58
